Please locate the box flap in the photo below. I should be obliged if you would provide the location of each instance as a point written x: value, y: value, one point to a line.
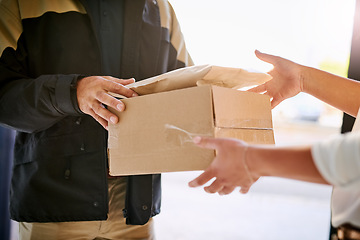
x: 154, y: 133
x: 177, y: 79
x: 244, y: 110
x: 198, y: 76
x: 235, y: 78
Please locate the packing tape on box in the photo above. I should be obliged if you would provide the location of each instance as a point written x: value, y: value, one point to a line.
x: 179, y: 136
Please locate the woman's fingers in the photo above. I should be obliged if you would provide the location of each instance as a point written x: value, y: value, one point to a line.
x: 203, y: 178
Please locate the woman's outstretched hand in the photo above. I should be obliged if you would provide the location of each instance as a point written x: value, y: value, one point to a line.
x: 229, y: 166
x: 286, y: 79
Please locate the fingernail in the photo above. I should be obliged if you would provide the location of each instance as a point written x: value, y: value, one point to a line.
x: 120, y: 107
x: 191, y: 184
x: 135, y: 95
x: 113, y: 119
x: 196, y: 139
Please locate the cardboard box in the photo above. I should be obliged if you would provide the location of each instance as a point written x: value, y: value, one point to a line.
x: 154, y: 133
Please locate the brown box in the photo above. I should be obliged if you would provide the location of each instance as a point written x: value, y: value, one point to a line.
x: 154, y: 133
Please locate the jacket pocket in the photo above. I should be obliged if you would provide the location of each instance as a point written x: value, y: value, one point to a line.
x: 69, y: 145
x: 31, y: 148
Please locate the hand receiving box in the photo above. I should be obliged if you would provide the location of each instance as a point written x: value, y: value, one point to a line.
x: 154, y: 134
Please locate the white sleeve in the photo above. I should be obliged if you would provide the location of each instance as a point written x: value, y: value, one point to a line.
x: 338, y: 160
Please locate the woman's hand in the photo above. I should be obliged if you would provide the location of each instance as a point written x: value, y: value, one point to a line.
x: 286, y: 82
x: 229, y: 166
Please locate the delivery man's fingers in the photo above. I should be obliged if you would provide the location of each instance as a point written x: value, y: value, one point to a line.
x: 110, y: 101
x: 120, y: 81
x: 105, y: 114
x: 92, y: 95
x: 98, y: 118
x: 115, y: 87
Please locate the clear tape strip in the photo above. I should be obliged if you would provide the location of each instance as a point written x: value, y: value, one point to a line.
x: 182, y: 135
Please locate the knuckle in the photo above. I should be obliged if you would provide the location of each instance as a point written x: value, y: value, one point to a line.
x: 225, y: 181
x: 124, y: 90
x: 99, y: 95
x: 214, y: 171
x: 117, y: 86
x: 96, y: 107
x: 221, y: 181
x: 86, y: 109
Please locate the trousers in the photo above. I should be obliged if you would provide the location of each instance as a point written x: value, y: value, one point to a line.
x: 112, y: 228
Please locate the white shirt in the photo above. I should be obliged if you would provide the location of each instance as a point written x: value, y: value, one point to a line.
x: 338, y: 161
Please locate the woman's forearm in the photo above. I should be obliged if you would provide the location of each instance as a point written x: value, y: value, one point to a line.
x: 340, y: 92
x: 288, y: 162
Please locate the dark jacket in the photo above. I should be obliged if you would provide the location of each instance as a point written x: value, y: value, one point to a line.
x: 60, y: 160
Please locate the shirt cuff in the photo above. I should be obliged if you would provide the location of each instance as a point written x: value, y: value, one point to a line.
x: 65, y: 94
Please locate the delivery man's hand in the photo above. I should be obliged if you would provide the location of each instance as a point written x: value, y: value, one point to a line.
x: 229, y: 166
x: 93, y: 95
x: 286, y: 82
